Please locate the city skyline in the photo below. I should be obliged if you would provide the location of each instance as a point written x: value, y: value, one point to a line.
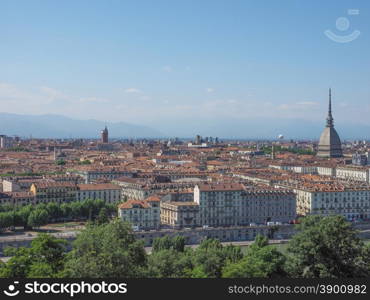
x: 241, y: 63
x: 146, y: 140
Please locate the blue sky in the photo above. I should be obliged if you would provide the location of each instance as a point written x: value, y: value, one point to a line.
x: 168, y: 63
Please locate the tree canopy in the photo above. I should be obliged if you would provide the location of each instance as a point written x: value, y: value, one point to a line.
x: 107, y: 250
x: 45, y: 258
x: 322, y: 247
x: 327, y: 247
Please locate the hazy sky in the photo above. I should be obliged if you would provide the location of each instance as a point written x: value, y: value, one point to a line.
x: 167, y: 63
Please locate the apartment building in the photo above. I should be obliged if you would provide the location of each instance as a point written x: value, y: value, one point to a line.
x: 141, y: 214
x: 110, y: 193
x: 54, y: 192
x: 179, y: 214
x: 235, y: 204
x: 336, y: 198
x: 17, y: 198
x: 18, y: 184
x: 91, y: 174
x: 356, y: 173
x: 326, y: 170
x: 141, y: 188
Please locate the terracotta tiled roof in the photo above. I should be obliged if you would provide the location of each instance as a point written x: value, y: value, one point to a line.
x: 49, y: 184
x: 96, y: 187
x: 153, y: 198
x: 131, y: 203
x: 221, y: 187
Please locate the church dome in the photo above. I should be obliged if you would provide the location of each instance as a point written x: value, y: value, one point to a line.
x: 330, y: 144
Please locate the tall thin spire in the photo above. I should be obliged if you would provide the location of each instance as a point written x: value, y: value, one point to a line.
x: 329, y: 119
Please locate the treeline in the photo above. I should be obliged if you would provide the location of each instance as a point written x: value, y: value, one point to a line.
x: 279, y: 149
x: 30, y: 216
x: 323, y: 247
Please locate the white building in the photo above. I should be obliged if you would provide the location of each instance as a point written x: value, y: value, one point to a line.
x: 326, y: 171
x: 179, y: 214
x: 6, y: 142
x: 142, y: 214
x: 356, y: 173
x: 234, y: 204
x: 110, y: 193
x: 351, y: 201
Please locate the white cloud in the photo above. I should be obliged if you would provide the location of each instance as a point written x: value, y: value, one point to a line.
x: 9, y: 91
x: 298, y: 106
x: 145, y: 98
x: 52, y: 94
x: 93, y: 100
x: 133, y: 91
x: 307, y: 103
x: 137, y: 107
x: 46, y: 100
x: 210, y: 90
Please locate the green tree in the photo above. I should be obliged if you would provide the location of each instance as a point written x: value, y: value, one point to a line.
x: 260, y: 260
x: 60, y: 162
x: 22, y: 216
x: 169, y: 258
x: 327, y: 247
x: 19, y: 265
x: 50, y: 250
x: 210, y: 258
x: 6, y: 220
x: 107, y: 250
x: 102, y: 217
x: 2, y: 269
x: 169, y: 263
x: 176, y: 243
x: 40, y: 270
x: 54, y: 210
x: 38, y: 217
x: 45, y: 258
x: 66, y: 210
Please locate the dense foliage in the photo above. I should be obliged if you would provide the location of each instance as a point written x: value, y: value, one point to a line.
x: 323, y: 247
x: 328, y: 247
x: 108, y: 250
x: 260, y: 260
x: 30, y: 216
x: 279, y: 149
x: 60, y: 162
x: 45, y: 258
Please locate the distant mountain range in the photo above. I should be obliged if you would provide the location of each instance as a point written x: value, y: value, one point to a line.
x: 263, y: 128
x: 56, y: 126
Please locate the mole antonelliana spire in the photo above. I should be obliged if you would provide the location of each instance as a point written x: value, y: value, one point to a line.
x: 329, y: 119
x: 329, y: 144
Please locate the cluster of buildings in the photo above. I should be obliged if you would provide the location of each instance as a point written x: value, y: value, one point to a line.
x: 205, y: 183
x: 214, y: 205
x: 44, y: 190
